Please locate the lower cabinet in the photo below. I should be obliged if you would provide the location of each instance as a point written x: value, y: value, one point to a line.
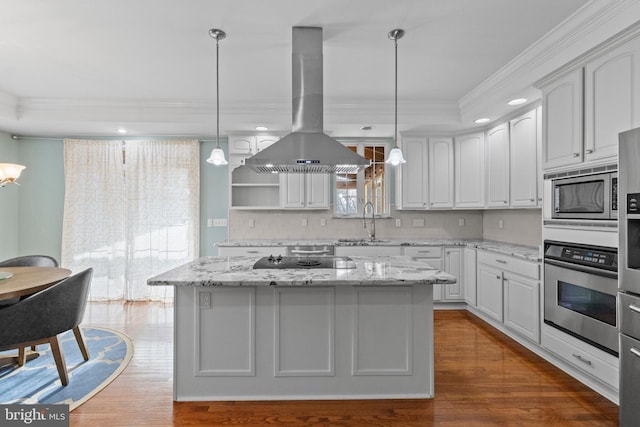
x: 470, y: 276
x: 449, y: 260
x: 508, y: 291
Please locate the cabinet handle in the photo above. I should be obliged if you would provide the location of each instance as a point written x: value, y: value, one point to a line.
x: 589, y: 151
x: 635, y: 351
x: 504, y: 201
x: 576, y: 154
x: 532, y: 200
x: 635, y: 308
x: 252, y: 252
x: 539, y: 199
x: 498, y: 277
x: 501, y: 261
x: 582, y: 359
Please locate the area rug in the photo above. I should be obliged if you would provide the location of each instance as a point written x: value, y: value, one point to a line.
x: 37, y: 382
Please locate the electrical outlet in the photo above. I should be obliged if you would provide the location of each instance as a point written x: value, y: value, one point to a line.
x: 398, y: 222
x: 219, y: 222
x: 252, y: 222
x: 323, y: 222
x: 205, y: 299
x: 500, y: 224
x: 304, y: 222
x: 418, y: 222
x: 460, y: 222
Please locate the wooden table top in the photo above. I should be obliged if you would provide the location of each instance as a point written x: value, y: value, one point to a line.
x: 29, y: 280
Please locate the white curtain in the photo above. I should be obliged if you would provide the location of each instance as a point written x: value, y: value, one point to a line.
x: 131, y: 211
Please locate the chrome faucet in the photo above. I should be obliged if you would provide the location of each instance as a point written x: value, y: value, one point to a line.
x: 370, y: 225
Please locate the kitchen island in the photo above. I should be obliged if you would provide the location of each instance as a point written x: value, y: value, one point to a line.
x: 363, y: 329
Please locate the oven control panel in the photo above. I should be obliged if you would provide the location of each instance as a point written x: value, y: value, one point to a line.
x: 593, y: 256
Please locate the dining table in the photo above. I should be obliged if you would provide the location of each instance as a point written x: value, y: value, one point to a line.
x: 17, y: 282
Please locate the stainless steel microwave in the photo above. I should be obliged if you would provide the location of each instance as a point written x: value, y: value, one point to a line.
x: 593, y: 196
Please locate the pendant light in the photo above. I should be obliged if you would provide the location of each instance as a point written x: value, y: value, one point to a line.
x: 217, y: 155
x: 9, y: 172
x: 395, y: 156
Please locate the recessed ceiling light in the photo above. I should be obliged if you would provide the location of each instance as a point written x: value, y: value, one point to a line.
x: 481, y: 121
x: 261, y: 128
x: 517, y: 101
x: 121, y: 130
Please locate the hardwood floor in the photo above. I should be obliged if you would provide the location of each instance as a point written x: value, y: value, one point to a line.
x: 482, y: 378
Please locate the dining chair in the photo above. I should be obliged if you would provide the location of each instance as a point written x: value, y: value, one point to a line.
x: 39, y: 318
x: 30, y: 261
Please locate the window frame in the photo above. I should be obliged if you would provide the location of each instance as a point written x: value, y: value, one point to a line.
x: 361, y: 143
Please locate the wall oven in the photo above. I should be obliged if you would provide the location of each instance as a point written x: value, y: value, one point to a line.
x: 593, y: 196
x: 580, y: 286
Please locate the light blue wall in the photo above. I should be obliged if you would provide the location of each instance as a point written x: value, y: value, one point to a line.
x: 8, y: 201
x: 32, y: 221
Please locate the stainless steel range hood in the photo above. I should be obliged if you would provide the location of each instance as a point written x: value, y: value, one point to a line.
x: 307, y: 149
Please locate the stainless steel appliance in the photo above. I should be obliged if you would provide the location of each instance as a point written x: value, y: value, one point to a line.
x: 592, y: 196
x: 580, y: 287
x: 629, y: 273
x: 297, y: 262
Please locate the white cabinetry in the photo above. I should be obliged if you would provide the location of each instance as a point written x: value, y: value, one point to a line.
x: 612, y: 99
x: 497, y: 166
x: 440, y: 172
x: 449, y: 260
x: 251, y: 190
x: 413, y: 188
x: 250, y: 145
x: 562, y: 121
x: 523, y: 164
x: 304, y: 191
x: 585, y: 108
x: 469, y: 171
x: 508, y: 290
x: 257, y: 251
x: 453, y: 264
x: 469, y: 275
x: 368, y: 250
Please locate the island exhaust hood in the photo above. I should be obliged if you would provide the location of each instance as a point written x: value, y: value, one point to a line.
x: 307, y: 149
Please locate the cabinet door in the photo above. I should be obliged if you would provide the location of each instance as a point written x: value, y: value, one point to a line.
x: 489, y: 292
x: 453, y: 265
x: 469, y: 171
x: 524, y: 178
x: 469, y: 275
x: 292, y: 187
x: 497, y: 166
x: 522, y: 306
x: 414, y: 173
x: 612, y: 97
x: 562, y: 121
x: 263, y: 142
x: 317, y: 190
x: 440, y: 172
x: 438, y: 290
x: 241, y: 144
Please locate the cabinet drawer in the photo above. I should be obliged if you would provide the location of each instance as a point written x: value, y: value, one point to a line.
x: 629, y: 310
x: 257, y: 251
x: 368, y: 251
x: 507, y: 263
x: 592, y: 361
x: 423, y: 251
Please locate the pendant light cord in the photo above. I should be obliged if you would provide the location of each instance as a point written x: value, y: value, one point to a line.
x: 395, y: 132
x: 217, y: 97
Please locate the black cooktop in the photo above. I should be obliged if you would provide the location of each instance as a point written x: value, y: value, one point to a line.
x: 282, y: 262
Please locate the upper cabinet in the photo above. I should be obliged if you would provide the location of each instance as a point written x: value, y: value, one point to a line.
x: 611, y: 99
x: 413, y: 183
x: 440, y: 172
x: 469, y: 170
x: 250, y: 145
x: 497, y: 166
x: 304, y: 191
x: 586, y: 107
x: 523, y: 160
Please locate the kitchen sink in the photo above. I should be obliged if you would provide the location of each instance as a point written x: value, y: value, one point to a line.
x: 360, y: 241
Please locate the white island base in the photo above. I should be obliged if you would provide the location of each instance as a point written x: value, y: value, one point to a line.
x: 303, y: 342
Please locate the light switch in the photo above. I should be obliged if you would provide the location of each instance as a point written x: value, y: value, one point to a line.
x: 418, y: 222
x: 398, y: 222
x: 304, y: 222
x: 252, y: 222
x: 460, y: 222
x: 323, y: 222
x: 219, y: 222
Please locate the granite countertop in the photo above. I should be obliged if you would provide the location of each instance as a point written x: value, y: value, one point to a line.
x: 238, y: 271
x: 528, y: 253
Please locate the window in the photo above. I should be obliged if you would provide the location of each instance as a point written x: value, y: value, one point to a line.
x: 353, y: 191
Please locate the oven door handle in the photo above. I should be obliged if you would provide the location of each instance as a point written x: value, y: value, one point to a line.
x: 582, y: 268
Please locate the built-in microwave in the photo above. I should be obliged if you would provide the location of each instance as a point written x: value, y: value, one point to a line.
x: 593, y: 196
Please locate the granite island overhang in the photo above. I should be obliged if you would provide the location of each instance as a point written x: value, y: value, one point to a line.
x: 344, y: 333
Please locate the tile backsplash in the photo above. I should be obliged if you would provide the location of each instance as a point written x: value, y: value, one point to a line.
x: 521, y: 226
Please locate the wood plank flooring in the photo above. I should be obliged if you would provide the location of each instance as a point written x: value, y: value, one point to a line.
x: 482, y: 378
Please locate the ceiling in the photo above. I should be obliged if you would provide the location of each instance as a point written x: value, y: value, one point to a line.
x: 74, y: 67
